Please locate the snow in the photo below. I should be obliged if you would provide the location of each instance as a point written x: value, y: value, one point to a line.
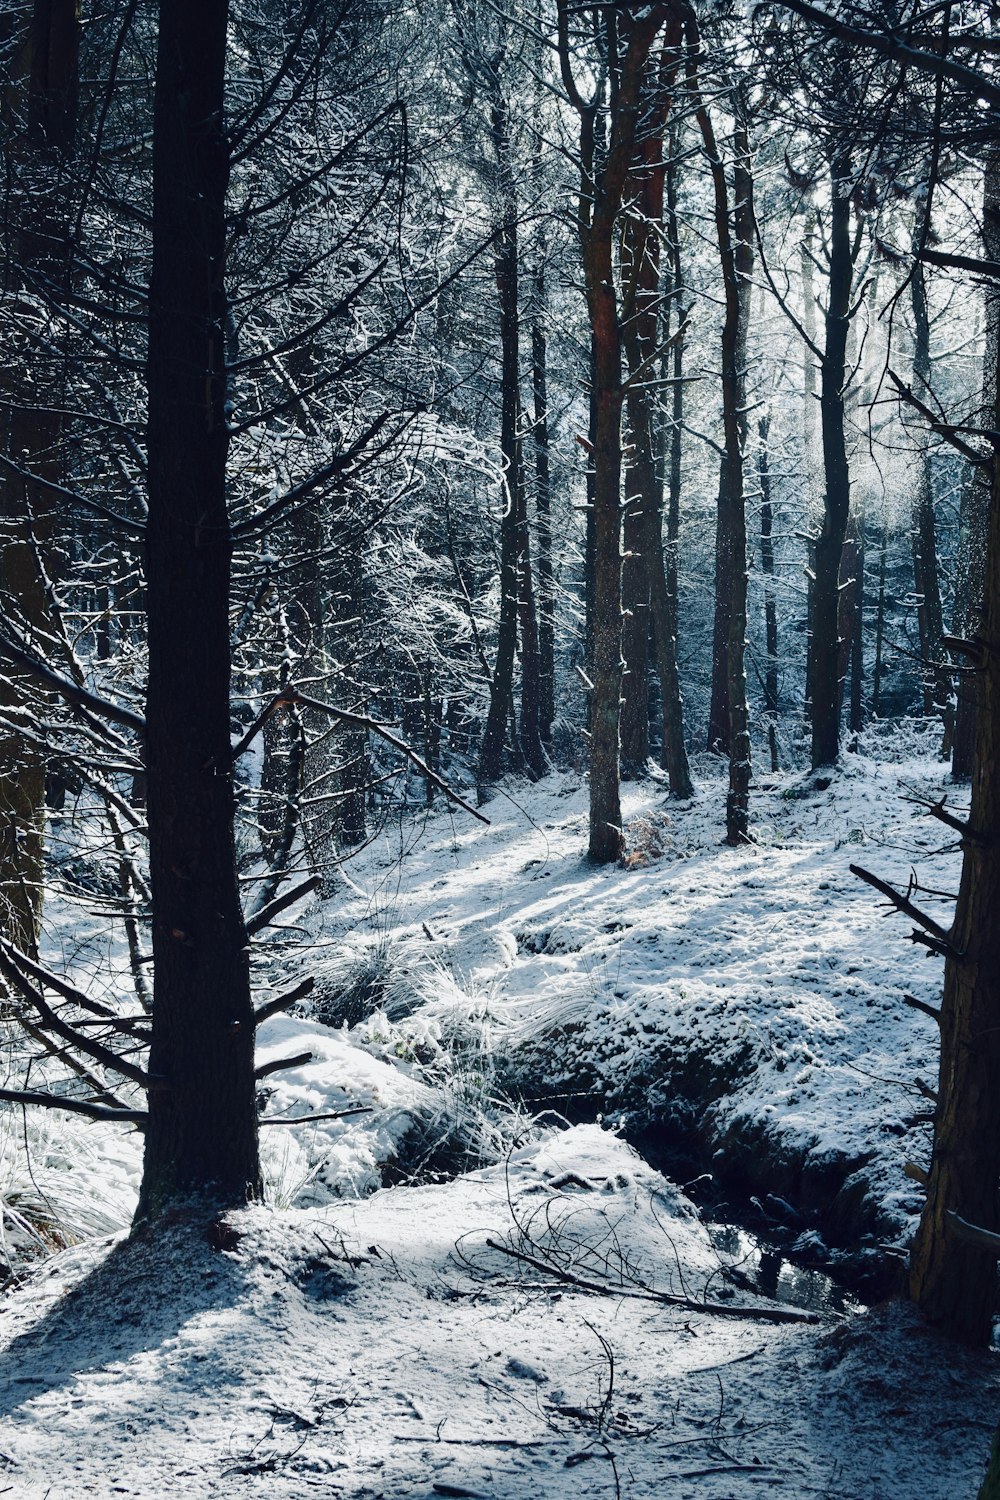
x: 357, y: 1340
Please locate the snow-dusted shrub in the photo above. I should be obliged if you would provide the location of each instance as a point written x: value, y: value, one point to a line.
x: 61, y: 1183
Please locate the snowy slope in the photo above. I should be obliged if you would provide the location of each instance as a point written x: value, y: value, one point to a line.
x: 362, y: 1342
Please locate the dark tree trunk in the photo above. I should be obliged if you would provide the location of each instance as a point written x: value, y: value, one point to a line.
x: 516, y: 591
x: 975, y: 503
x: 824, y: 642
x: 40, y: 123
x: 930, y: 623
x: 770, y: 607
x: 645, y: 593
x: 810, y: 437
x: 953, y: 1280
x: 202, y: 1133
x: 734, y: 231
x: 635, y: 615
x: 601, y: 202
x: 665, y: 606
x: 502, y: 684
x: 543, y: 521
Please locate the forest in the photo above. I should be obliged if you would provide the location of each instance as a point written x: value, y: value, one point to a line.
x: 500, y: 748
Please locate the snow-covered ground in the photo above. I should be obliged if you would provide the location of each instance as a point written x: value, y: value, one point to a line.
x: 535, y: 1326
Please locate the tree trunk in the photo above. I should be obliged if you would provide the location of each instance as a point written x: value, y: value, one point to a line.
x: 936, y: 678
x: 664, y: 605
x: 878, y: 668
x: 202, y: 1133
x: 851, y: 616
x: 543, y: 520
x: 954, y: 1281
x: 515, y: 576
x: 810, y: 437
x: 770, y: 606
x: 647, y: 601
x: 975, y: 502
x: 40, y: 125
x: 601, y: 202
x: 824, y: 642
x: 734, y: 231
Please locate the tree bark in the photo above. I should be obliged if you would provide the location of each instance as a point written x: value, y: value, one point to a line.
x: 40, y: 125
x: 734, y: 232
x: 674, y: 758
x: 543, y: 520
x: 936, y: 679
x: 649, y: 600
x: 975, y: 501
x: 516, y: 590
x: 202, y: 1133
x: 770, y: 606
x: 824, y: 642
x: 953, y: 1281
x: 601, y: 202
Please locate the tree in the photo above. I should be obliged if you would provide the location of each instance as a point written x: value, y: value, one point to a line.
x: 954, y: 1256
x: 40, y: 120
x: 202, y: 1131
x: 733, y: 228
x: 625, y: 42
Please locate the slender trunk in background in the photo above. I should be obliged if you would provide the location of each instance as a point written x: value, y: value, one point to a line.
x: 202, y: 1132
x: 543, y: 518
x: 936, y: 678
x: 734, y: 232
x: 810, y: 438
x: 974, y: 515
x: 877, y: 668
x: 40, y: 124
x: 674, y: 758
x: 506, y: 270
x: 643, y: 577
x: 850, y: 618
x: 824, y: 641
x: 770, y: 607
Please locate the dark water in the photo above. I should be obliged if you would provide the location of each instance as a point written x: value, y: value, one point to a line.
x: 754, y: 1265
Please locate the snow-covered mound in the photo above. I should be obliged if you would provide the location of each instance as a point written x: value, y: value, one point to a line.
x: 405, y: 1345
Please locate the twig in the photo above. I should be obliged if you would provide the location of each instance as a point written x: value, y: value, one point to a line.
x: 335, y: 1114
x: 773, y: 1314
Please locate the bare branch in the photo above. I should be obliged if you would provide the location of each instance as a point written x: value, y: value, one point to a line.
x: 74, y: 1106
x: 287, y: 898
x: 282, y: 1002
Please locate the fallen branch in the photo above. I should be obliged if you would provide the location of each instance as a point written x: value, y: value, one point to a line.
x: 773, y: 1314
x: 335, y: 1114
x: 266, y: 1069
